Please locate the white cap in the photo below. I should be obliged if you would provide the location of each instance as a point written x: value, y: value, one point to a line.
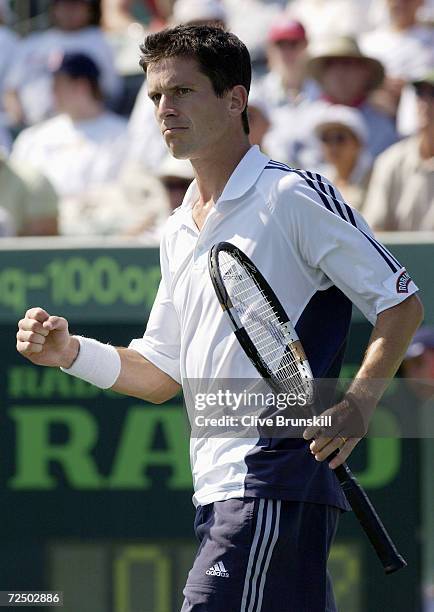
x: 339, y: 115
x: 185, y: 11
x: 181, y: 168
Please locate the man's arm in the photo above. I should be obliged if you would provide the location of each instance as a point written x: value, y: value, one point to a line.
x: 389, y: 340
x: 45, y: 340
x: 141, y: 378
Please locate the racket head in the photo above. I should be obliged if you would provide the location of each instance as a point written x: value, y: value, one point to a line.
x: 259, y: 321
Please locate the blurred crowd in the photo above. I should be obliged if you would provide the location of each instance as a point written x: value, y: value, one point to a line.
x: 344, y: 88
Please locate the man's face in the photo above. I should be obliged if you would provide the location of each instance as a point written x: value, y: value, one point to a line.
x: 346, y: 79
x: 192, y: 119
x: 339, y: 144
x: 285, y: 56
x: 70, y: 15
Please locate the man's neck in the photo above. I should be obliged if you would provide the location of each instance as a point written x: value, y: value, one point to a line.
x: 213, y: 172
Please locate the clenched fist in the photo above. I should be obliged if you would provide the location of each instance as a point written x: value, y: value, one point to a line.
x: 45, y: 340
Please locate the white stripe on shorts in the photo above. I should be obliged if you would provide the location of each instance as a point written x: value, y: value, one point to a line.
x: 268, y: 559
x: 269, y: 538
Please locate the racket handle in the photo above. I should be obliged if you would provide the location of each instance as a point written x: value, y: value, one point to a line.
x: 369, y: 520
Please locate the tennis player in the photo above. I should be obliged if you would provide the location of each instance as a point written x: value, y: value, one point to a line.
x: 267, y: 510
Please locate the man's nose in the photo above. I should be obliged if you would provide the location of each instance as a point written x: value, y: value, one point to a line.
x: 166, y: 106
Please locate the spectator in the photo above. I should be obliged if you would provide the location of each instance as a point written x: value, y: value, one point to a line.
x: 251, y: 21
x: 76, y: 29
x: 124, y: 31
x: 125, y: 24
x: 285, y: 83
x: 325, y: 18
x: 120, y: 15
x: 343, y: 135
x: 406, y: 49
x: 28, y: 199
x: 85, y: 144
x: 401, y: 193
x: 8, y: 45
x: 348, y: 77
x: 137, y: 204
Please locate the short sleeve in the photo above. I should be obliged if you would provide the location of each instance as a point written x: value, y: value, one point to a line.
x: 161, y: 341
x: 334, y: 238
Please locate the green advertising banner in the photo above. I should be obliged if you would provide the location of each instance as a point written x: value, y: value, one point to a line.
x: 96, y: 488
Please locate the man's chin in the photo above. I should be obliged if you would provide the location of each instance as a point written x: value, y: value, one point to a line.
x: 179, y: 153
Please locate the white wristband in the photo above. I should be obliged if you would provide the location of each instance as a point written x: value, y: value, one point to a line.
x: 96, y: 363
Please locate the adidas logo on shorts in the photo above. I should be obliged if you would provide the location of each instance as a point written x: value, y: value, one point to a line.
x: 217, y: 570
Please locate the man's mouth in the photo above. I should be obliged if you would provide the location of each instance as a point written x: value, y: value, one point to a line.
x: 173, y: 129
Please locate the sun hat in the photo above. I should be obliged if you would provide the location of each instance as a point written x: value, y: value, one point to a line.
x: 337, y: 115
x: 342, y: 47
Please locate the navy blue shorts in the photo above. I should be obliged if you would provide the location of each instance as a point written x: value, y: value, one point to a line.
x: 262, y: 555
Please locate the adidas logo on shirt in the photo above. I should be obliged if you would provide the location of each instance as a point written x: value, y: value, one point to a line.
x: 217, y: 570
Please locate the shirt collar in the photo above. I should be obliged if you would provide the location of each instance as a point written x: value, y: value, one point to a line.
x: 241, y: 180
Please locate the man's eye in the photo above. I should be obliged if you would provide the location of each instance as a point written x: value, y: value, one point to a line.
x: 182, y: 91
x: 156, y: 98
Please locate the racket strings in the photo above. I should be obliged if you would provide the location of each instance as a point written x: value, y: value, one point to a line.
x: 262, y: 324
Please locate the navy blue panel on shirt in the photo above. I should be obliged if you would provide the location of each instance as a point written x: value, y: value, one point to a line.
x: 323, y: 330
x: 284, y: 468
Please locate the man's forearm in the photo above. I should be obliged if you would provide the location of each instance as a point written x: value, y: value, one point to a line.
x: 389, y: 340
x: 141, y: 378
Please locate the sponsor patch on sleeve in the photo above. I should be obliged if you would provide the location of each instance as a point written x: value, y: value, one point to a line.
x: 401, y: 282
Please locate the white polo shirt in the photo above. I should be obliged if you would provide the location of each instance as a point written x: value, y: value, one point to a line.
x: 318, y: 255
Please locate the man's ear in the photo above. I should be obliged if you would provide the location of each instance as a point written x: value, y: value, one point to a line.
x: 237, y: 100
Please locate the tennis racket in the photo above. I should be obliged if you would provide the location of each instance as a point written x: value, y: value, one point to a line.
x: 268, y: 338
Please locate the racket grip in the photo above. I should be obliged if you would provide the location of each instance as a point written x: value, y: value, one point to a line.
x: 369, y: 520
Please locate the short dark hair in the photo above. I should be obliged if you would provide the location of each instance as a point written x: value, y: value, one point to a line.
x: 221, y: 55
x: 79, y: 66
